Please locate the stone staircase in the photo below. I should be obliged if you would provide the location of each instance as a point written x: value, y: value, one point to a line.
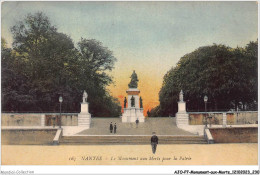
x: 129, y: 140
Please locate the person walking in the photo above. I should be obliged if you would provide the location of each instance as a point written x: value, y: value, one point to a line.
x: 137, y: 121
x: 115, y: 128
x: 111, y: 127
x: 154, y: 142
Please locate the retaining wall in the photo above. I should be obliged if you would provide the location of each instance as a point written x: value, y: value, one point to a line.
x: 233, y: 118
x: 235, y: 134
x: 27, y: 136
x: 38, y: 119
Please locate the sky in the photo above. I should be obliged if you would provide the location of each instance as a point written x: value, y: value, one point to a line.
x: 148, y: 37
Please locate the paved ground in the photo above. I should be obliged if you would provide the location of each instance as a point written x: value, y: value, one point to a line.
x: 189, y: 154
x: 162, y: 126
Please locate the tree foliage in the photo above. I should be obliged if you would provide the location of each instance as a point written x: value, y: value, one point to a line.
x: 228, y: 76
x: 44, y: 64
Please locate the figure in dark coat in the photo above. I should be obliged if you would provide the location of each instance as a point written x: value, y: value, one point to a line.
x: 115, y: 128
x: 154, y: 142
x: 137, y: 121
x: 111, y: 127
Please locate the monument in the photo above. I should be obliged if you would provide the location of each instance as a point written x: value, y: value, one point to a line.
x: 182, y: 117
x: 84, y: 117
x: 134, y: 109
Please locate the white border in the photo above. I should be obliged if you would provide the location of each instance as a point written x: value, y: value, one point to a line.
x: 123, y: 169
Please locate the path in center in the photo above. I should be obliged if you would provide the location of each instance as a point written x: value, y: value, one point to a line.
x: 162, y: 126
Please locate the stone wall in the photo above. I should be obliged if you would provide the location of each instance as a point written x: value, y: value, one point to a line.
x: 21, y: 119
x: 29, y: 119
x: 217, y: 118
x: 235, y: 134
x: 66, y: 120
x: 28, y: 136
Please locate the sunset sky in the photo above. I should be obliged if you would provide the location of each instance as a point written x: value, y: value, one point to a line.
x: 148, y: 37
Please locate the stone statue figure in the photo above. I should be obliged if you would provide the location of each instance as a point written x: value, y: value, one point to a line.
x: 181, y: 96
x: 134, y: 81
x: 85, y: 96
x: 125, y: 101
x: 132, y: 101
x: 141, y: 102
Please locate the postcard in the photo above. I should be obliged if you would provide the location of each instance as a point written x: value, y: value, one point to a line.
x: 129, y: 83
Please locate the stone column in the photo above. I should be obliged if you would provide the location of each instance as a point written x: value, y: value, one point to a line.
x: 224, y: 119
x: 43, y: 120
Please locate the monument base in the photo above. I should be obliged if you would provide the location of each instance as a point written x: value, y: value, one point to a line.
x: 84, y: 120
x: 132, y: 114
x: 182, y: 119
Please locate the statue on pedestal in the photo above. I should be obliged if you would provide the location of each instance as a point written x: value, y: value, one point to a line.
x: 132, y: 101
x: 141, y: 102
x: 85, y: 96
x: 125, y: 101
x: 134, y: 81
x: 181, y: 96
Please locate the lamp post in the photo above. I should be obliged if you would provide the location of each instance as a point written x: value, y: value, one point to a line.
x: 53, y: 121
x: 205, y: 101
x: 60, y: 100
x: 210, y: 117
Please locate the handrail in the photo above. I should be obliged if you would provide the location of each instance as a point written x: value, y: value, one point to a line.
x: 208, y: 136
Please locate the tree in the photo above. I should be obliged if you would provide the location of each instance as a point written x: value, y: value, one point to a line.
x: 44, y: 53
x: 227, y: 76
x: 148, y: 113
x: 52, y: 66
x: 95, y: 60
x: 155, y: 112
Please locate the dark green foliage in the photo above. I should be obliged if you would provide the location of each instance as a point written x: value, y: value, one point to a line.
x: 45, y: 64
x: 155, y: 112
x: 227, y: 76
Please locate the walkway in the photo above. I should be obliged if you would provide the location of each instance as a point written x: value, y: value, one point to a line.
x: 189, y: 154
x: 162, y: 126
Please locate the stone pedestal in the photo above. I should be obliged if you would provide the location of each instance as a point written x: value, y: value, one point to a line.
x: 182, y: 117
x: 132, y: 113
x: 42, y: 120
x: 84, y: 117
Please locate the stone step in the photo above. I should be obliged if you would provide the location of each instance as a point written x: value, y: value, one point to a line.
x: 127, y: 143
x: 125, y: 140
x: 131, y: 140
x: 115, y: 136
x: 127, y: 137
